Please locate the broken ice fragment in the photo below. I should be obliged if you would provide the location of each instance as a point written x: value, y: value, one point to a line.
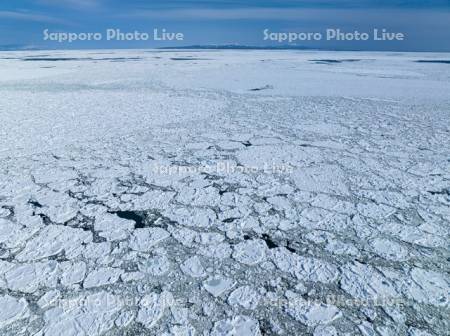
x: 237, y: 326
x: 310, y: 313
x: 193, y: 267
x: 101, y: 277
x: 144, y: 239
x: 12, y: 310
x: 244, y: 296
x: 250, y: 252
x: 218, y: 285
x: 54, y: 239
x: 158, y: 265
x: 152, y: 307
x: 91, y: 315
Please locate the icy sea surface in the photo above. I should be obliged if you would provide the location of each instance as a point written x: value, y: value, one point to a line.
x: 224, y: 193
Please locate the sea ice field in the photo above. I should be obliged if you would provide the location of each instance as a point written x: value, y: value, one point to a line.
x: 233, y: 192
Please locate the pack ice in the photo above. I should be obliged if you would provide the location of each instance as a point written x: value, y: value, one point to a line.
x: 154, y: 192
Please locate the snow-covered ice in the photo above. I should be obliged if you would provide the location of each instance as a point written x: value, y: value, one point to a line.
x: 153, y: 192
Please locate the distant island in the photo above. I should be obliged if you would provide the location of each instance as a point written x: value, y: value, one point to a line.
x: 240, y: 47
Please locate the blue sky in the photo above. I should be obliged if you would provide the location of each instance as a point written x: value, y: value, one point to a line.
x: 426, y: 24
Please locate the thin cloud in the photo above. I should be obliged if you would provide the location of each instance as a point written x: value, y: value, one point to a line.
x: 28, y: 16
x: 74, y: 4
x: 365, y: 4
x: 218, y: 14
x: 285, y: 14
